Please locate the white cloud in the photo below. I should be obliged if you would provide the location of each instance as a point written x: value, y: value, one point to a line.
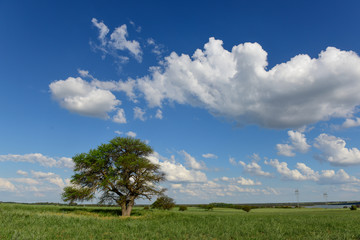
x: 285, y: 150
x: 103, y: 30
x: 159, y: 114
x: 191, y: 161
x: 209, y: 155
x: 50, y: 178
x: 127, y: 87
x: 176, y: 186
x: 298, y: 143
x: 157, y: 48
x: 65, y: 162
x: 236, y: 85
x: 176, y: 172
x: 6, y: 186
x: 303, y: 172
x: 351, y: 123
x: 131, y: 134
x: 38, y: 158
x: 254, y: 169
x: 120, y: 116
x: 81, y: 97
x: 335, y: 152
x: 29, y: 181
x: 139, y: 114
x: 232, y: 161
x: 40, y: 174
x: 118, y: 41
x: 21, y: 172
x: 241, y: 180
x: 118, y: 132
x: 283, y: 169
x: 137, y: 28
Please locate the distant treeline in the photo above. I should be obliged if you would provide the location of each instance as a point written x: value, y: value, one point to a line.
x: 212, y: 205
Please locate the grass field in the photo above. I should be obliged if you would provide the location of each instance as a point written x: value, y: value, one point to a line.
x: 20, y: 221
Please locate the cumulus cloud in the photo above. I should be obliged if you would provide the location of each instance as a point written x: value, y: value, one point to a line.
x: 6, y: 186
x: 118, y: 86
x: 351, y: 123
x: 236, y: 85
x: 254, y: 169
x: 38, y: 158
x: 50, y: 177
x: 191, y: 161
x: 81, y: 97
x: 303, y: 173
x: 176, y: 172
x: 139, y: 114
x: 29, y: 181
x: 209, y: 155
x: 131, y: 134
x: 241, y: 180
x: 118, y: 41
x: 298, y: 143
x: 335, y: 152
x: 120, y: 116
x: 21, y: 172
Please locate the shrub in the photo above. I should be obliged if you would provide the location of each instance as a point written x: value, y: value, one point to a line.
x: 182, y: 208
x: 207, y: 206
x: 146, y: 208
x: 163, y: 202
x: 246, y: 208
x: 353, y: 207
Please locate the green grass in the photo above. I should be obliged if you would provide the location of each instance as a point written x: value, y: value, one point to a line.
x: 18, y: 221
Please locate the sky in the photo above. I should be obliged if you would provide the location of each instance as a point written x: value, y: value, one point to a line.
x: 242, y: 101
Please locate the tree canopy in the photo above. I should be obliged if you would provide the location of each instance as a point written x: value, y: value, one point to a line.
x: 164, y: 202
x: 119, y: 172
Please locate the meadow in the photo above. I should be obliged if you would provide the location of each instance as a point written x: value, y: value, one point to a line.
x: 21, y: 221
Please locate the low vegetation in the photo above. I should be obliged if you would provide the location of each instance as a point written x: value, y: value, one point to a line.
x: 20, y: 221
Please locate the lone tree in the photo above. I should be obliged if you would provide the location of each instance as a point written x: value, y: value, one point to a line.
x: 120, y: 171
x: 164, y: 202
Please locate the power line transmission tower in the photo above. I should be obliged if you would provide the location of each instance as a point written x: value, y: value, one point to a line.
x: 297, y: 197
x: 325, y: 195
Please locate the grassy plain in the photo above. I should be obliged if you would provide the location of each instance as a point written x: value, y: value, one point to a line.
x: 20, y: 221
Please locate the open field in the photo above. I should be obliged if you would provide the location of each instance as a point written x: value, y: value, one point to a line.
x: 20, y: 221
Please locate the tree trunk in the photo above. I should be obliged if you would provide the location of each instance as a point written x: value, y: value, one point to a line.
x: 127, y: 208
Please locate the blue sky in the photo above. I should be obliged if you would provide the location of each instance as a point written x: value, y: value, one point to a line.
x: 242, y: 101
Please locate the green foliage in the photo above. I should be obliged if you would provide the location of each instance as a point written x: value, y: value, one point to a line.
x: 146, y: 208
x: 246, y: 208
x: 119, y: 171
x: 182, y: 208
x: 353, y: 207
x: 207, y: 207
x: 164, y: 203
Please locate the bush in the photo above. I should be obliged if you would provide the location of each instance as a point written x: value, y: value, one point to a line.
x: 353, y: 207
x: 246, y: 208
x: 164, y: 203
x: 182, y: 208
x: 146, y: 208
x: 207, y: 207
